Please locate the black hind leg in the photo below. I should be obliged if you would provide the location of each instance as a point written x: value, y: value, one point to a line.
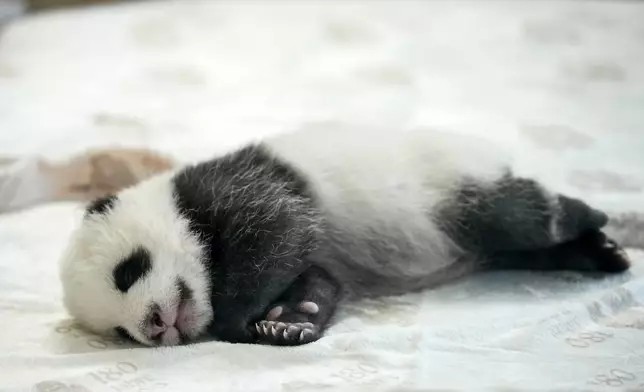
x: 303, y: 311
x: 593, y: 251
x: 515, y: 213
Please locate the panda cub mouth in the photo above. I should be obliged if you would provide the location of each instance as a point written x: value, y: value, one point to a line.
x: 168, y: 326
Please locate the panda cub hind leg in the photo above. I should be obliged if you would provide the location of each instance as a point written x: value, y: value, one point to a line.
x: 301, y: 314
x: 593, y: 251
x: 515, y: 213
x: 516, y: 223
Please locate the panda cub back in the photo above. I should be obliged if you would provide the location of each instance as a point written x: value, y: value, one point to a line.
x: 382, y: 196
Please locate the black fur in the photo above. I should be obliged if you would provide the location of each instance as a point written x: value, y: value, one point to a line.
x: 266, y: 238
x: 131, y: 269
x: 258, y: 222
x: 314, y: 285
x: 185, y: 293
x: 515, y: 213
x: 124, y: 334
x: 592, y: 251
x: 101, y: 205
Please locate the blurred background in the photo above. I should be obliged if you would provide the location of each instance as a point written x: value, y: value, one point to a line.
x: 13, y: 8
x: 559, y: 83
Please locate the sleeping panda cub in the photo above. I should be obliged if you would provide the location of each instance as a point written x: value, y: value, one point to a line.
x: 260, y: 245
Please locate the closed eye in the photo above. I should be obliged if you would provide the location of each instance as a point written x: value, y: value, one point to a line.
x: 124, y: 334
x: 185, y: 293
x: 131, y: 269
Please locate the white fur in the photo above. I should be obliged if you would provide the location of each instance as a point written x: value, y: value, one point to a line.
x: 142, y: 216
x: 384, y: 180
x: 390, y: 183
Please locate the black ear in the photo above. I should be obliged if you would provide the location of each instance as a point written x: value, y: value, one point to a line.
x: 101, y: 205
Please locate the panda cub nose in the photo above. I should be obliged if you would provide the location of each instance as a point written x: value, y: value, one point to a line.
x: 159, y: 323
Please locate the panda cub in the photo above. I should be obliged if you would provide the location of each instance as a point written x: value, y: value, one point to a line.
x: 260, y: 245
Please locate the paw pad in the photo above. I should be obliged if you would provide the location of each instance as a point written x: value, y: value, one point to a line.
x: 309, y: 307
x: 609, y: 245
x: 274, y: 313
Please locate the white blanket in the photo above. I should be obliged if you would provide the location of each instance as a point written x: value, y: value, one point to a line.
x: 560, y: 83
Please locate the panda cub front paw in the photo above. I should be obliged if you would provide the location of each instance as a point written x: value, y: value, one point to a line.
x: 290, y: 326
x: 287, y: 334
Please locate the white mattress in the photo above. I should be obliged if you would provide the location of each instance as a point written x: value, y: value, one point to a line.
x: 561, y: 83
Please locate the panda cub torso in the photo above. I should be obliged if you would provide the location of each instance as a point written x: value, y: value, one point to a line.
x: 382, y: 198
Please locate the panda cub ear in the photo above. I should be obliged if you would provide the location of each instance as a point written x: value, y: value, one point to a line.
x: 101, y: 205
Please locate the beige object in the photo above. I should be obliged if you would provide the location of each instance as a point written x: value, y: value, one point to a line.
x: 31, y: 181
x: 104, y: 171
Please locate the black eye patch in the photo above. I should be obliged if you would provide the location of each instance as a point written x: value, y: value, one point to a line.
x: 131, y: 269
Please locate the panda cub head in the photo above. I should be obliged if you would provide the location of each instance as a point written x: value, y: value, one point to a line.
x: 134, y: 268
